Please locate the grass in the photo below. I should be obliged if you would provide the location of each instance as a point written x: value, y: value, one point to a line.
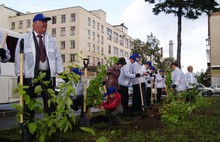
x: 203, y: 125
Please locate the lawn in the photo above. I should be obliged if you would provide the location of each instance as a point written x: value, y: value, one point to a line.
x: 200, y: 126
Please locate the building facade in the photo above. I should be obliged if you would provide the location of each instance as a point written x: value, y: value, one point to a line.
x: 80, y: 34
x: 213, y: 48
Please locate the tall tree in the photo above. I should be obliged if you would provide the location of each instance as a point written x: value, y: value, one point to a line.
x: 148, y: 51
x: 190, y: 9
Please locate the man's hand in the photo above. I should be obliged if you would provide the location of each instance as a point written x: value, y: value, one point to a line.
x: 102, y: 107
x: 137, y: 75
x: 148, y: 81
x: 103, y: 83
x: 174, y: 86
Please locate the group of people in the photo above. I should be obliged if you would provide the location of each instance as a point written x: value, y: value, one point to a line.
x: 41, y: 54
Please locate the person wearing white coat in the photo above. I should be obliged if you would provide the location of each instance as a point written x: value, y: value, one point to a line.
x: 178, y: 80
x: 160, y: 84
x: 4, y: 52
x: 125, y: 78
x: 41, y: 54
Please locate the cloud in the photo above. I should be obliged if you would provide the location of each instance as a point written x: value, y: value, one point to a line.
x: 140, y: 21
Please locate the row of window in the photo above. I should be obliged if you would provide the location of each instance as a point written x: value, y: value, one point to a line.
x: 95, y: 61
x: 71, y: 44
x: 94, y: 49
x: 94, y: 25
x: 117, y: 52
x: 72, y: 58
x: 63, y: 31
x: 54, y: 21
x: 117, y: 38
x: 100, y: 38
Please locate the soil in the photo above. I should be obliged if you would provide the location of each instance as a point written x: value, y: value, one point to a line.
x: 144, y: 121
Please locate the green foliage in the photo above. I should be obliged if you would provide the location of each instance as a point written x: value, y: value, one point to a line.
x: 95, y: 89
x: 89, y: 130
x: 203, y: 78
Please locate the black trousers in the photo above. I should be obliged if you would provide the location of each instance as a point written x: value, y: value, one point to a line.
x: 159, y: 93
x: 148, y: 96
x: 136, y: 99
x: 124, y: 96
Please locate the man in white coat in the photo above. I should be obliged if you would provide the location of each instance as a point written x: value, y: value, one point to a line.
x: 4, y: 52
x: 41, y: 54
x: 178, y: 80
x: 125, y: 78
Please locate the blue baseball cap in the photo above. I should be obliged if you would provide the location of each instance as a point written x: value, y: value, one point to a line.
x: 149, y: 63
x: 161, y: 70
x: 152, y: 68
x: 132, y: 57
x: 40, y: 17
x: 136, y: 55
x: 110, y: 90
x: 76, y: 71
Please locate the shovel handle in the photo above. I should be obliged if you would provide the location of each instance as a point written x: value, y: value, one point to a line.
x: 85, y: 62
x: 4, y: 40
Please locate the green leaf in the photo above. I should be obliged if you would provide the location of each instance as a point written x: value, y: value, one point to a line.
x: 32, y: 127
x: 35, y: 80
x: 38, y: 89
x: 42, y: 138
x: 101, y: 139
x: 42, y: 75
x: 27, y: 99
x: 89, y: 130
x: 50, y: 91
x: 46, y: 82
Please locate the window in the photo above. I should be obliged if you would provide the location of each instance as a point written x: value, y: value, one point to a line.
x: 98, y: 26
x: 73, y: 17
x: 72, y: 30
x: 102, y: 51
x: 93, y: 24
x: 98, y: 39
x: 63, y: 57
x: 88, y: 58
x: 126, y: 54
x: 102, y: 29
x: 20, y: 26
x: 98, y: 49
x: 28, y: 24
x: 98, y: 61
x: 109, y: 49
x: 102, y: 61
x: 88, y: 47
x: 121, y: 40
x: 121, y: 53
x: 89, y: 21
x: 109, y: 34
x: 88, y: 34
x: 62, y: 32
x: 93, y: 36
x: 53, y: 32
x: 115, y: 51
x: 54, y: 19
x: 12, y: 25
x: 115, y: 37
x: 63, y: 18
x: 62, y: 45
x: 93, y: 48
x: 93, y: 60
x: 102, y: 39
x: 72, y: 57
x: 72, y: 44
x: 126, y: 42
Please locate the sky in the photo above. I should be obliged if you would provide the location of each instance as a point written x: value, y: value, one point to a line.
x: 138, y: 17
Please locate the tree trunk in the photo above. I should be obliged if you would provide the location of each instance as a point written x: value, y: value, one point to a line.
x: 179, y: 15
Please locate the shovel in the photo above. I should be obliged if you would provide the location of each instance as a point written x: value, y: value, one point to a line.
x: 84, y: 121
x: 21, y: 82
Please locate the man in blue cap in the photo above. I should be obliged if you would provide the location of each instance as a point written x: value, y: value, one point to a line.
x: 113, y: 105
x: 125, y: 78
x: 149, y: 85
x: 160, y: 81
x: 136, y: 82
x: 41, y: 55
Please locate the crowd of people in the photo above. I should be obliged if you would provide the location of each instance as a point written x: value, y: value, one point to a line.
x: 41, y: 54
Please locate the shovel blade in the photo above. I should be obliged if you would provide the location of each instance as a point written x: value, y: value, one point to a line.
x: 84, y: 122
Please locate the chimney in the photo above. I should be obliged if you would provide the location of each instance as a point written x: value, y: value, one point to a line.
x: 171, y: 49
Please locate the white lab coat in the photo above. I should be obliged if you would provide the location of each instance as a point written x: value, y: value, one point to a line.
x: 52, y: 52
x: 160, y: 81
x: 190, y: 79
x: 177, y: 77
x: 138, y: 68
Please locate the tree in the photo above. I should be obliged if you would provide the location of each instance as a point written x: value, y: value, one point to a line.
x: 148, y: 51
x: 190, y: 9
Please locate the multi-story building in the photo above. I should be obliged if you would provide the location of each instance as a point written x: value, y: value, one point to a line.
x: 213, y: 48
x: 80, y: 33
